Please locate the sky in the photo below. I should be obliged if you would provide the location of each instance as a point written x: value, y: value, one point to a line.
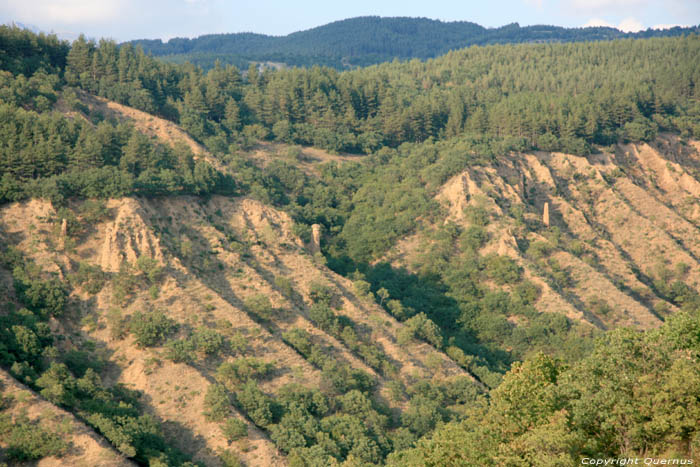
x: 124, y: 20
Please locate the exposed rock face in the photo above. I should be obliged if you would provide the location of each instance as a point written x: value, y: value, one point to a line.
x: 545, y: 214
x: 315, y: 245
x: 465, y: 187
x: 64, y: 233
x: 241, y: 256
x: 128, y: 237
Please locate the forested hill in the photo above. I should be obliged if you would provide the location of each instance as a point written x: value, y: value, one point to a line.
x: 369, y: 40
x: 507, y: 209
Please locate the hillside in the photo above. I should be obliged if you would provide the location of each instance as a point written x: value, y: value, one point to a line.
x: 68, y: 439
x: 582, y: 258
x: 369, y: 40
x: 612, y: 280
x: 218, y: 263
x: 207, y: 263
x: 488, y: 258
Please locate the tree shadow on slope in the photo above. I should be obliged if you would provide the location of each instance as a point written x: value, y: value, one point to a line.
x: 419, y: 294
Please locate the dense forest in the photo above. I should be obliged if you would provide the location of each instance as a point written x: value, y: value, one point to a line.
x: 369, y: 40
x: 550, y: 386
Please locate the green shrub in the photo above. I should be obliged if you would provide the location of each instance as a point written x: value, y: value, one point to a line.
x: 180, y: 351
x: 234, y: 429
x: 124, y: 284
x: 258, y: 406
x: 477, y: 215
x: 91, y: 278
x: 208, y: 341
x: 238, y: 343
x: 151, y: 328
x: 526, y: 292
x: 474, y: 237
x: 57, y: 384
x: 321, y: 293
x: 285, y: 286
x: 362, y: 287
x: 299, y: 339
x: 217, y: 403
x: 28, y: 441
x: 241, y: 370
x: 323, y: 317
x: 599, y: 306
x: 94, y: 211
x: 501, y: 269
x: 118, y: 324
x: 260, y: 306
x: 539, y: 250
x: 230, y: 459
x: 422, y: 415
x: 340, y: 378
x: 422, y: 327
x: 47, y: 297
x: 150, y: 268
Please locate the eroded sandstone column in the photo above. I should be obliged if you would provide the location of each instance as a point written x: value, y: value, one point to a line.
x: 315, y: 245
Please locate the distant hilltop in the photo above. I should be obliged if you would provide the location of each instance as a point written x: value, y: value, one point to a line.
x: 371, y: 39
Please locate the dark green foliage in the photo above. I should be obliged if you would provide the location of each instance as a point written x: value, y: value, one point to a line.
x: 181, y: 351
x: 230, y: 459
x: 300, y: 340
x: 298, y: 426
x: 241, y: 370
x: 423, y: 123
x: 26, y: 52
x: 58, y: 384
x: 321, y: 294
x: 124, y: 284
x: 80, y: 361
x: 217, y: 403
x: 28, y: 441
x: 368, y: 40
x: 422, y: 327
x: 422, y: 415
x: 502, y: 269
x: 150, y: 328
x: 324, y: 317
x: 591, y: 102
x: 257, y: 406
x: 208, y: 341
x: 599, y: 406
x: 150, y: 268
x: 234, y: 429
x: 203, y: 342
x: 93, y: 211
x: 260, y: 306
x: 70, y: 379
x: 89, y: 277
x: 340, y: 378
x: 43, y: 296
x: 23, y: 337
x: 67, y: 157
x: 49, y: 155
x: 355, y: 428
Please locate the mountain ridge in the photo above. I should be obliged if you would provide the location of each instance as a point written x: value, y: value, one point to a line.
x: 369, y: 40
